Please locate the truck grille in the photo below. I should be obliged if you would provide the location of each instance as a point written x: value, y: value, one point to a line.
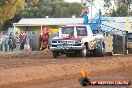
x: 66, y: 43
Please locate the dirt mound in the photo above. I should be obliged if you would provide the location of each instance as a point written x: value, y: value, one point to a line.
x: 23, y: 54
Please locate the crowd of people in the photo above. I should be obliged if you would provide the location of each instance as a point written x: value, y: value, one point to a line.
x: 11, y: 41
x: 7, y: 41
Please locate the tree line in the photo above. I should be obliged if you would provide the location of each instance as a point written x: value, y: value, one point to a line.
x: 122, y: 10
x: 41, y: 9
x: 13, y: 10
x: 51, y: 8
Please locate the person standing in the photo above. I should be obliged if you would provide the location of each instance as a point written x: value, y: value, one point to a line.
x: 5, y: 41
x: 33, y: 41
x: 17, y: 42
x: 11, y: 42
x: 44, y: 40
x: 1, y: 41
x: 22, y: 40
x: 29, y: 41
x: 37, y: 41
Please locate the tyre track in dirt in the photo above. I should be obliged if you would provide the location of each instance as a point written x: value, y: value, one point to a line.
x: 6, y: 63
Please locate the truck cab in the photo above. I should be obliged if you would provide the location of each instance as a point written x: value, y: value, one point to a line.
x: 75, y: 40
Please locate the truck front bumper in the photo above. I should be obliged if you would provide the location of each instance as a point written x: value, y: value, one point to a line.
x: 66, y: 48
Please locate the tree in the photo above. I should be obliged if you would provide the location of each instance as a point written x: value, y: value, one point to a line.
x: 8, y: 8
x: 122, y: 7
x: 75, y: 9
x: 114, y: 13
x: 107, y: 3
x: 52, y: 8
x: 122, y: 10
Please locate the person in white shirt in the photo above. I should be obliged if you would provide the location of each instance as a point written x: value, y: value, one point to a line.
x: 1, y: 41
x: 5, y: 41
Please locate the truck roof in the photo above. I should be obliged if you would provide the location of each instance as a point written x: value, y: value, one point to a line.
x: 75, y: 25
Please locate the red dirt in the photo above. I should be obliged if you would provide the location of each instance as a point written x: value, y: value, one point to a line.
x: 24, y: 68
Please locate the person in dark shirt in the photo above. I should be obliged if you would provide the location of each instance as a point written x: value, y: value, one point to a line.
x: 10, y: 43
x: 1, y: 41
x: 22, y: 40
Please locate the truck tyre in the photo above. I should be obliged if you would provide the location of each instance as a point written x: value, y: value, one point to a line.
x: 55, y: 54
x: 100, y: 51
x: 84, y: 52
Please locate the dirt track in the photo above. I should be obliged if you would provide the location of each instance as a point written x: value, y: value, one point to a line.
x: 74, y: 83
x: 20, y: 69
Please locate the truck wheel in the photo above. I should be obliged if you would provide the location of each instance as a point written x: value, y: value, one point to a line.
x: 55, y: 54
x: 84, y: 52
x: 101, y: 50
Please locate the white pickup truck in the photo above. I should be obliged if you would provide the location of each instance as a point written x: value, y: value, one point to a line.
x: 77, y: 40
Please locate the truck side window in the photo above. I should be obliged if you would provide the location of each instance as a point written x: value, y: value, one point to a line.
x: 81, y: 31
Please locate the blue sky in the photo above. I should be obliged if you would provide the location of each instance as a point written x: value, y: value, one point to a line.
x: 98, y: 4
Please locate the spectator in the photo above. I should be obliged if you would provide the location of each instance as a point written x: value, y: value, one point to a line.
x: 1, y: 41
x: 44, y: 40
x: 11, y: 42
x: 33, y: 41
x: 22, y: 40
x: 37, y: 41
x: 17, y: 42
x: 5, y: 41
x: 29, y: 41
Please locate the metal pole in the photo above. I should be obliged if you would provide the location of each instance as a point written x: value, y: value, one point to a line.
x: 91, y: 9
x: 41, y: 28
x: 14, y: 30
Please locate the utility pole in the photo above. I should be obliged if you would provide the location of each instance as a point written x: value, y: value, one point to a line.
x: 91, y: 9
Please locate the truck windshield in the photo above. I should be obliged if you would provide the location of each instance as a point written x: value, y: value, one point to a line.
x: 68, y: 30
x: 81, y: 31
